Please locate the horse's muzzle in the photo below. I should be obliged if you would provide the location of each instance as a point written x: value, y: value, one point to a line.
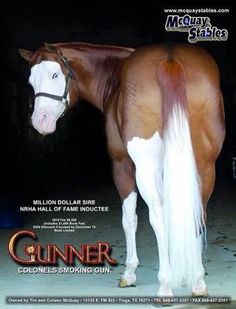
x: 43, y: 122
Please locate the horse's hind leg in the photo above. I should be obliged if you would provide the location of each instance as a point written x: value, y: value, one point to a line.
x: 147, y: 154
x: 207, y: 175
x: 123, y: 173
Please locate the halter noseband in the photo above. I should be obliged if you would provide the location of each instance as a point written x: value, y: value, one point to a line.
x: 70, y: 75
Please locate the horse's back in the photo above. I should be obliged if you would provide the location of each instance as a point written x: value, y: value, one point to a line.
x: 141, y: 98
x: 200, y: 70
x: 196, y: 62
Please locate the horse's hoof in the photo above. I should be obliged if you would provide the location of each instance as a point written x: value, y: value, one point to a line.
x: 200, y: 293
x: 165, y: 291
x: 124, y: 283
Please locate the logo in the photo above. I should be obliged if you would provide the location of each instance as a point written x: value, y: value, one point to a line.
x: 50, y: 254
x: 198, y: 28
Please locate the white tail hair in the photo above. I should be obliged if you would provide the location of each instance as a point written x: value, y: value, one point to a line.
x: 182, y: 199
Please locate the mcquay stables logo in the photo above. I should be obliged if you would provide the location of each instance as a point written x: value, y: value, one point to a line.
x: 199, y: 28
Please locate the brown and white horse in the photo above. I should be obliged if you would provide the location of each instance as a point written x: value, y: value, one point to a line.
x: 165, y: 128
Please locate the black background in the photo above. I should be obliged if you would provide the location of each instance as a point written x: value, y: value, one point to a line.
x: 33, y: 166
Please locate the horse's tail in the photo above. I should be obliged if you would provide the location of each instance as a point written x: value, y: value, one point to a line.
x: 182, y: 189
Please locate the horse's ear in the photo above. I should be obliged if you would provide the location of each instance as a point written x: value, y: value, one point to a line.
x: 26, y: 54
x: 50, y: 47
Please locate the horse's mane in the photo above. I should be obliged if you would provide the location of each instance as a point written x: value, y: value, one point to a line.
x: 106, y: 60
x: 95, y: 48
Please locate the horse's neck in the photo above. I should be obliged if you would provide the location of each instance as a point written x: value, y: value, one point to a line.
x: 99, y: 68
x: 106, y: 72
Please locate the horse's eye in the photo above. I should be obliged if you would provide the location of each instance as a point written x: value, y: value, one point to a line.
x: 54, y: 75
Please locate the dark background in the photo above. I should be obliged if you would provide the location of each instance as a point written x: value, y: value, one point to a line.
x: 75, y: 156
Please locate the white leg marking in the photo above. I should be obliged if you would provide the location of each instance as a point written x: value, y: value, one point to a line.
x: 147, y: 156
x: 129, y: 221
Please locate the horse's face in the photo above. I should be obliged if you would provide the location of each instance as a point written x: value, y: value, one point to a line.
x: 47, y: 77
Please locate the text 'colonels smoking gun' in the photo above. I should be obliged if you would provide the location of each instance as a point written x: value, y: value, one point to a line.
x: 36, y: 254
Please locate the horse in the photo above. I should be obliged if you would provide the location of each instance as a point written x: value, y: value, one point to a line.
x: 164, y: 121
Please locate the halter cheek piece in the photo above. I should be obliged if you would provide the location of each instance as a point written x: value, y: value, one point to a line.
x: 70, y: 75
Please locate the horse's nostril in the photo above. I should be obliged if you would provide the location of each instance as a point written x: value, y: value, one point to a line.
x: 44, y: 119
x: 44, y: 116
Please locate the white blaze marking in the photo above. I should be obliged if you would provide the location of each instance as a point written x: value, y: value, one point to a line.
x: 47, y: 77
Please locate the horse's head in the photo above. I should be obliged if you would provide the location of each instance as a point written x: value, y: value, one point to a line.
x: 50, y: 78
